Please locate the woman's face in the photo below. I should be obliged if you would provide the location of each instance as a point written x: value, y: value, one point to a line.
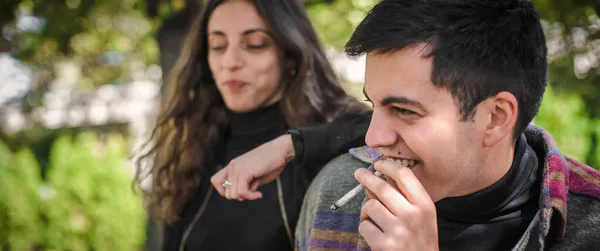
x: 243, y: 57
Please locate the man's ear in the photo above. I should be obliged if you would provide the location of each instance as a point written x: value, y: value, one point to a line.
x: 503, y: 114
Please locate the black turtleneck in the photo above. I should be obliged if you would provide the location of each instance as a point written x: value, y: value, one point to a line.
x: 249, y: 225
x: 251, y: 129
x: 233, y: 225
x: 495, y: 217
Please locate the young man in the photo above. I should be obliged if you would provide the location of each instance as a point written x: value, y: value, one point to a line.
x: 454, y: 87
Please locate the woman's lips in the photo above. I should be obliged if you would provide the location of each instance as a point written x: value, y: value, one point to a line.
x: 234, y: 85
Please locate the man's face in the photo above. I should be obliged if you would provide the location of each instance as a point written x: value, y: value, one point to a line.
x: 416, y: 121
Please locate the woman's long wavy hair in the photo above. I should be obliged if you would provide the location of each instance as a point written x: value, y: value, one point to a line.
x: 194, y: 119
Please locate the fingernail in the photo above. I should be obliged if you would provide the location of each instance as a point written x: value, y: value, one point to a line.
x: 359, y: 172
x: 377, y: 163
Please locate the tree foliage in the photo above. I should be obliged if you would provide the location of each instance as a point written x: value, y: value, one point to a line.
x: 81, y: 204
x: 573, y: 33
x: 20, y: 227
x: 106, y: 41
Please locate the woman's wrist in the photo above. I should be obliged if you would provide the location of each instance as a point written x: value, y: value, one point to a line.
x: 285, y: 142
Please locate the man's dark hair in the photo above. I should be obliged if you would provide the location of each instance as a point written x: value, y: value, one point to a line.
x: 479, y: 47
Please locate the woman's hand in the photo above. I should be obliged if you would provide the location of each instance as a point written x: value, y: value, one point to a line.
x: 259, y: 166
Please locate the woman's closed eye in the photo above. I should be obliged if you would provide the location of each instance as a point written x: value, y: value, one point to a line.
x: 257, y: 46
x: 217, y: 43
x: 248, y: 46
x: 256, y: 41
x: 218, y: 47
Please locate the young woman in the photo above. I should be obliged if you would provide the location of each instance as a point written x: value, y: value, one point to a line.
x: 248, y: 72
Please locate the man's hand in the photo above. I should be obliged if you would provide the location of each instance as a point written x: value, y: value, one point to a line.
x: 399, y: 215
x: 253, y: 169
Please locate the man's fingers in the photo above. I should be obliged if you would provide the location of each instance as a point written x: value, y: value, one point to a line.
x: 405, y: 179
x: 378, y: 213
x: 384, y: 192
x: 371, y: 194
x: 370, y: 232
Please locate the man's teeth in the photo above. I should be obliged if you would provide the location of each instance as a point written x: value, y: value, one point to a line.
x: 404, y: 162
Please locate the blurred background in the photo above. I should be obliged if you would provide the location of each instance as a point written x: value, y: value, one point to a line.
x: 81, y: 82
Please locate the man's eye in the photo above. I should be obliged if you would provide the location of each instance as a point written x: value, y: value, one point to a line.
x: 404, y: 112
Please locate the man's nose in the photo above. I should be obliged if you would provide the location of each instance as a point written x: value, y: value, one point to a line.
x: 381, y: 133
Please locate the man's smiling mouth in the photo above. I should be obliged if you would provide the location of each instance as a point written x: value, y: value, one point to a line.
x: 410, y: 163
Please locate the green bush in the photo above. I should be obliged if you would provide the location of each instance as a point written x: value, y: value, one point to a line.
x: 20, y: 226
x: 92, y: 206
x: 85, y: 203
x: 563, y: 115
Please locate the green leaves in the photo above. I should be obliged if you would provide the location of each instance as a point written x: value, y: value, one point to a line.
x: 104, y: 39
x: 564, y: 116
x: 20, y: 227
x: 86, y: 203
x: 336, y: 21
x: 93, y: 196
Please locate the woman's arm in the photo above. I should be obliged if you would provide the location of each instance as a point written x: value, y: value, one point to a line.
x: 310, y: 147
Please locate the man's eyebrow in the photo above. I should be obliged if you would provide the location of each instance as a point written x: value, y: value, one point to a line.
x: 402, y: 100
x: 398, y: 100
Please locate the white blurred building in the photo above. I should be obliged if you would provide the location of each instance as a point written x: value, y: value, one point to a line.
x: 135, y: 104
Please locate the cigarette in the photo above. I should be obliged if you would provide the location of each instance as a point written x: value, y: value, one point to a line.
x: 348, y: 196
x: 352, y: 193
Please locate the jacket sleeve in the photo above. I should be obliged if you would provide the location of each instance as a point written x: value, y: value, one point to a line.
x: 314, y: 146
